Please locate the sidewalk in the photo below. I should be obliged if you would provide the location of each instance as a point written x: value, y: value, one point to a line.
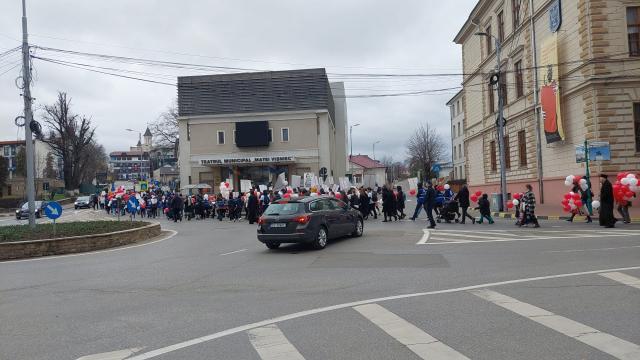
x: 554, y: 212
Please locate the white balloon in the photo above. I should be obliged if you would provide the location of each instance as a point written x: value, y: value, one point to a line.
x: 583, y: 181
x: 595, y: 204
x: 584, y: 187
x: 314, y: 194
x: 286, y: 183
x: 571, y: 193
x: 573, y: 206
x: 447, y: 187
x: 631, y: 176
x: 625, y: 181
x: 516, y: 202
x: 634, y: 188
x: 633, y: 182
x: 567, y: 183
x: 569, y: 178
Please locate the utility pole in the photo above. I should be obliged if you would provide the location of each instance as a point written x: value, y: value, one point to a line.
x: 536, y: 97
x: 374, y: 149
x: 28, y: 115
x: 503, y: 170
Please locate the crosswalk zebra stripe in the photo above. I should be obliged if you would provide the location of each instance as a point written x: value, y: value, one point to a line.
x: 623, y: 279
x: 418, y: 341
x: 616, y: 347
x: 271, y: 344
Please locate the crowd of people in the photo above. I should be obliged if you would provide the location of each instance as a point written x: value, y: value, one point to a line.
x: 441, y: 204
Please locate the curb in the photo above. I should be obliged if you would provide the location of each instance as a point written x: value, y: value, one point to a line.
x: 506, y: 215
x: 77, y: 244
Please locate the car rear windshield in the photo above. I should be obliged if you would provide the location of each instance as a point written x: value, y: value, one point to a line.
x: 83, y: 198
x: 284, y: 208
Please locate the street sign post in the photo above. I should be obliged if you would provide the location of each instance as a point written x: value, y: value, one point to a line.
x: 53, y: 210
x: 132, y: 206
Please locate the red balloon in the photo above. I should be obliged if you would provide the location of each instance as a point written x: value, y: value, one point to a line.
x: 516, y: 196
x: 567, y: 196
x: 286, y: 195
x: 338, y: 196
x: 509, y: 204
x: 566, y: 208
x: 226, y: 184
x: 576, y: 196
x: 576, y: 179
x: 577, y: 203
x: 289, y: 191
x: 478, y: 193
x: 412, y: 192
x: 474, y: 198
x: 564, y: 202
x: 621, y: 175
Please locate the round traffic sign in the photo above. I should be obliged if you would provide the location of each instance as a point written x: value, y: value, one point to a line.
x: 53, y: 210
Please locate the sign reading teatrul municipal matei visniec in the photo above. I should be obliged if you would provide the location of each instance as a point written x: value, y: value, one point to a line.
x: 248, y: 160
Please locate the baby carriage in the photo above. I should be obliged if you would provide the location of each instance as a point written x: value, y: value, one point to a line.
x: 449, y: 212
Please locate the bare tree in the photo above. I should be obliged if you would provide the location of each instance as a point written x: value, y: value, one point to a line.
x: 4, y: 172
x: 70, y: 138
x: 425, y: 148
x: 94, y: 161
x: 49, y: 168
x: 165, y: 127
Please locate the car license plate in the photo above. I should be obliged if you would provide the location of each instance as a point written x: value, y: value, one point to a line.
x: 278, y: 225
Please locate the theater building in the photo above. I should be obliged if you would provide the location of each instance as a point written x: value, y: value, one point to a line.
x: 255, y: 126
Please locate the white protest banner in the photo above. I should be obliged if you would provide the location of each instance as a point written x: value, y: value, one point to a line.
x: 245, y: 185
x: 280, y: 182
x: 236, y: 194
x: 335, y: 188
x: 413, y: 183
x: 262, y: 188
x: 369, y: 181
x: 344, y: 184
x: 307, y: 180
x: 296, y: 181
x: 329, y: 180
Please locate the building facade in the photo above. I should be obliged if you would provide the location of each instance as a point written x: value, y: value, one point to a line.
x: 134, y: 164
x: 586, y: 65
x: 254, y: 126
x: 457, y: 136
x: 361, y: 166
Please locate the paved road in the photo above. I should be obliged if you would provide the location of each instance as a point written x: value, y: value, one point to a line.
x: 564, y: 291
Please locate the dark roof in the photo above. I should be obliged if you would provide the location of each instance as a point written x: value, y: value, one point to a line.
x: 126, y: 153
x: 147, y: 132
x: 270, y: 91
x: 365, y: 161
x: 13, y: 142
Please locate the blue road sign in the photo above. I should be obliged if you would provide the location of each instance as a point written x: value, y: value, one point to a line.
x: 132, y: 205
x: 53, y: 210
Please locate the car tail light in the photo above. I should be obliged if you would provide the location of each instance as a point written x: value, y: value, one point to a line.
x: 261, y: 220
x: 303, y: 219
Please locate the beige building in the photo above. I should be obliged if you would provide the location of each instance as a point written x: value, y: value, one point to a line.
x: 254, y: 126
x: 362, y: 166
x: 457, y: 136
x: 587, y: 58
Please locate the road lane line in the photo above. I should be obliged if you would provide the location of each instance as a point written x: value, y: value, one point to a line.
x: 528, y: 239
x: 113, y: 355
x: 614, y: 346
x: 271, y: 344
x: 449, y: 241
x: 53, y: 257
x: 425, y: 237
x: 623, y: 279
x: 598, y: 249
x: 469, y: 236
x: 233, y: 252
x: 409, y: 335
x: 301, y: 314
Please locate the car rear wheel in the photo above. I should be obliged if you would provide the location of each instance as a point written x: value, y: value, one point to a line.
x: 357, y: 232
x: 272, y: 245
x: 321, y: 239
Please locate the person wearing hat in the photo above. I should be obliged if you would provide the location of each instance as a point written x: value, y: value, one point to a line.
x: 606, y: 203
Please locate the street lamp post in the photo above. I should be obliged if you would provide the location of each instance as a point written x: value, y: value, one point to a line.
x: 351, y: 138
x: 374, y: 149
x: 503, y: 173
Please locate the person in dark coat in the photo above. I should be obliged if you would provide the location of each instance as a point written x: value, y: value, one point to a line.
x: 430, y: 204
x: 462, y: 197
x: 485, y: 209
x: 388, y: 204
x: 419, y: 201
x: 252, y: 207
x: 400, y: 202
x: 177, y: 204
x: 606, y: 203
x: 364, y: 203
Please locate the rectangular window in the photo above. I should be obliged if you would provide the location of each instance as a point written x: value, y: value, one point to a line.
x: 454, y: 153
x: 489, y: 40
x: 220, y: 137
x: 461, y: 173
x: 633, y: 30
x: 503, y: 88
x: 234, y: 137
x: 458, y: 106
x: 459, y: 150
x: 507, y: 152
x: 636, y: 118
x: 8, y: 190
x: 501, y: 26
x: 6, y: 151
x: 188, y: 132
x: 515, y: 13
x: 270, y: 135
x: 284, y: 135
x: 522, y: 148
x: 492, y: 154
x: 492, y: 106
x: 519, y: 84
x: 453, y: 132
x: 13, y: 150
x: 453, y: 111
x: 459, y: 131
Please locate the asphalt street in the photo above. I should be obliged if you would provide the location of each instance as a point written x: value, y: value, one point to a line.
x: 210, y: 290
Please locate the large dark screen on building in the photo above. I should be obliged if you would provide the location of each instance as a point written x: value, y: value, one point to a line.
x: 252, y: 133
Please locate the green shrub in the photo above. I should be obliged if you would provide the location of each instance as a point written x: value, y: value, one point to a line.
x: 45, y: 231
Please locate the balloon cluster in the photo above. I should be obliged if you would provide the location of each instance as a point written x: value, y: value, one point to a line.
x: 412, y: 192
x: 571, y: 202
x: 576, y: 180
x: 515, y: 201
x: 476, y: 196
x: 224, y: 189
x: 625, y: 187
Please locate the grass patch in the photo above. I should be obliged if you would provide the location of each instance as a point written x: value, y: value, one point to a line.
x: 45, y: 231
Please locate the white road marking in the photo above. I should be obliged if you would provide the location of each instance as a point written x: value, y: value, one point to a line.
x: 425, y: 237
x: 614, y: 346
x: 623, y: 279
x: 113, y: 355
x: 599, y: 249
x: 418, y: 341
x: 297, y: 315
x: 233, y: 252
x: 469, y: 235
x: 271, y: 344
x: 53, y: 257
x: 580, y: 236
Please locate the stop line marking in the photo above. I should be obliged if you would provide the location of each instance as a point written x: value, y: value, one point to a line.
x: 623, y: 279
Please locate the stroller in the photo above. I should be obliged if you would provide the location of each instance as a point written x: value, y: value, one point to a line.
x: 449, y: 212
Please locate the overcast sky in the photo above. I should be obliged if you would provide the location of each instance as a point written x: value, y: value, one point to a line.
x: 354, y: 36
